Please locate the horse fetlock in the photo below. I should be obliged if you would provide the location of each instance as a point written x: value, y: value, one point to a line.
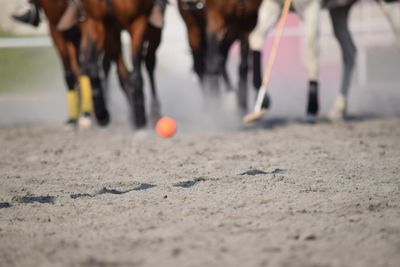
x: 140, y: 120
x: 70, y: 80
x: 339, y: 109
x: 242, y: 94
x: 214, y: 65
x: 100, y: 111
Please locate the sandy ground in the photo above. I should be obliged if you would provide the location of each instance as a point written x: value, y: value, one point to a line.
x: 282, y: 194
x: 310, y: 195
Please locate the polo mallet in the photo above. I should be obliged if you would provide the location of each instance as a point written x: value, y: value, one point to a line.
x: 259, y: 110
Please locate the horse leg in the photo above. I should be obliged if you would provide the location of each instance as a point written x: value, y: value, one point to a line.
x: 243, y: 72
x: 154, y: 40
x: 225, y: 46
x: 339, y: 17
x: 92, y: 91
x: 196, y: 36
x: 215, y: 27
x: 268, y: 14
x: 70, y: 77
x: 388, y: 11
x: 310, y: 15
x: 135, y: 80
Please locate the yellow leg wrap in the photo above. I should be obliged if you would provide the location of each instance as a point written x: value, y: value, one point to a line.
x: 73, y: 105
x: 86, y: 94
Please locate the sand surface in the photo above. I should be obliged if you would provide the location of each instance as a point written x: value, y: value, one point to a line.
x: 286, y: 195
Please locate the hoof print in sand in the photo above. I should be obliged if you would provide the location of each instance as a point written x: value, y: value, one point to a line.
x: 79, y: 195
x: 190, y: 183
x: 254, y: 172
x: 106, y: 190
x: 278, y: 171
x: 4, y: 205
x: 37, y: 199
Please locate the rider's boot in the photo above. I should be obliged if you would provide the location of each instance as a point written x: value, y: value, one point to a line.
x: 30, y: 16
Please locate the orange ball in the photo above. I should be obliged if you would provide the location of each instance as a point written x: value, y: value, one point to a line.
x: 166, y: 127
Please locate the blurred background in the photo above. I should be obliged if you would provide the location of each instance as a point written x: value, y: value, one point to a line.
x: 32, y: 90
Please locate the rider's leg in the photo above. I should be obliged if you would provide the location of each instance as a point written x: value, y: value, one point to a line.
x: 157, y: 14
x: 31, y: 16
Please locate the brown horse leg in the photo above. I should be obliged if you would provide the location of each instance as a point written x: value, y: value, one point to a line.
x: 154, y: 39
x: 91, y: 45
x: 70, y: 73
x: 243, y: 71
x: 225, y: 46
x: 197, y: 41
x: 215, y: 27
x: 135, y: 86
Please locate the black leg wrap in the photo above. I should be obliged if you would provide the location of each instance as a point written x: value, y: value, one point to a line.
x: 266, y: 103
x: 136, y: 96
x: 100, y: 110
x: 313, y: 105
x: 257, y: 80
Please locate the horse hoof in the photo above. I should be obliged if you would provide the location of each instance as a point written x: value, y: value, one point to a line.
x: 84, y: 122
x: 242, y: 96
x: 155, y: 112
x: 70, y: 125
x: 266, y: 103
x: 310, y: 118
x: 338, y: 111
x: 104, y: 119
x: 313, y: 105
x: 139, y: 122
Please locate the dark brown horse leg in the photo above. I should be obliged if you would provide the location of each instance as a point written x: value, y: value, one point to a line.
x: 90, y: 69
x: 225, y: 46
x: 70, y: 73
x: 154, y: 39
x: 196, y: 31
x: 215, y: 27
x: 197, y: 44
x: 243, y: 72
x: 339, y: 17
x: 135, y: 88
